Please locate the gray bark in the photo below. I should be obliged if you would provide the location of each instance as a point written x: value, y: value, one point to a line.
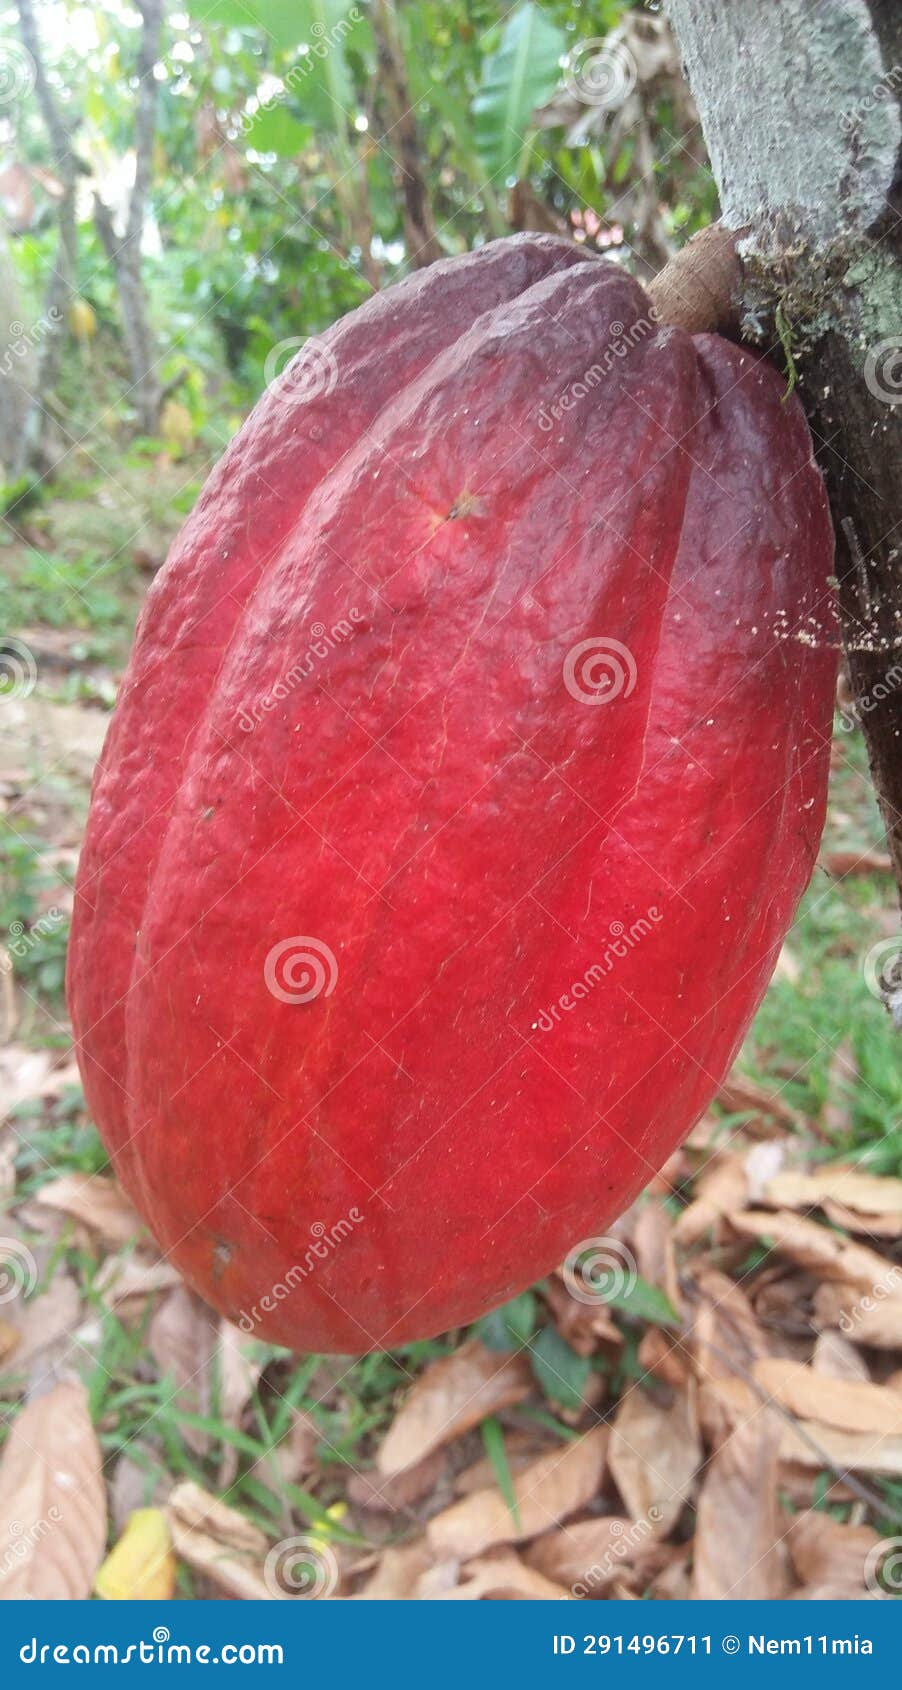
x: 800, y: 104
x: 125, y: 253
x: 33, y: 447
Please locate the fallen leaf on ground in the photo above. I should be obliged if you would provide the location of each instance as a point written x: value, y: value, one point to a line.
x: 182, y: 1341
x: 42, y: 1324
x: 869, y: 1194
x: 502, y: 1576
x: 812, y: 1246
x: 397, y: 1575
x: 852, y: 1405
x: 97, y: 1202
x: 239, y: 1370
x: 449, y: 1397
x: 588, y: 1555
x: 141, y: 1566
x: 740, y: 1096
x: 397, y: 1492
x: 738, y: 1554
x: 218, y: 1542
x: 52, y: 1501
x: 654, y: 1454
x: 870, y: 1318
x: 836, y: 1358
x: 828, y: 1554
x: 548, y: 1491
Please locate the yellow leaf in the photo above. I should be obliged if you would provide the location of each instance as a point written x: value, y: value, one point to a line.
x: 141, y: 1566
x: 82, y: 320
x: 176, y: 427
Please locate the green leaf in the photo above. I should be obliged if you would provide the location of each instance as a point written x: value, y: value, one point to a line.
x: 517, y: 78
x: 495, y: 1449
x: 561, y: 1373
x: 642, y: 1301
x: 276, y: 131
x: 510, y: 1326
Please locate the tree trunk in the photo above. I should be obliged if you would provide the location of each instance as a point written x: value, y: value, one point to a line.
x: 403, y: 139
x: 800, y: 104
x: 33, y: 446
x: 125, y: 254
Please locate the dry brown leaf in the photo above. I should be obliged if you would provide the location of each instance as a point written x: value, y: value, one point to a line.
x: 836, y: 1358
x: 825, y: 1552
x: 723, y: 1186
x: 397, y: 1575
x: 847, y: 1452
x: 654, y: 1454
x: 660, y: 1356
x: 97, y: 1202
x: 42, y: 1324
x: 24, y: 1073
x: 737, y: 1554
x: 128, y: 1279
x: 182, y: 1341
x: 548, y: 1491
x: 297, y: 1453
x: 726, y: 1335
x: 814, y: 1247
x: 393, y: 1495
x: 502, y: 1576
x: 852, y: 1405
x: 198, y: 1510
x: 873, y: 1319
x: 840, y: 864
x: 741, y: 1096
x: 867, y: 1226
x: 588, y: 1555
x: 238, y: 1371
x: 583, y: 1325
x: 452, y: 1395
x: 52, y: 1501
x: 868, y: 1194
x: 521, y: 1447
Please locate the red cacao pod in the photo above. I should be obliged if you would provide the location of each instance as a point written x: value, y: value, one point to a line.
x: 469, y: 767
